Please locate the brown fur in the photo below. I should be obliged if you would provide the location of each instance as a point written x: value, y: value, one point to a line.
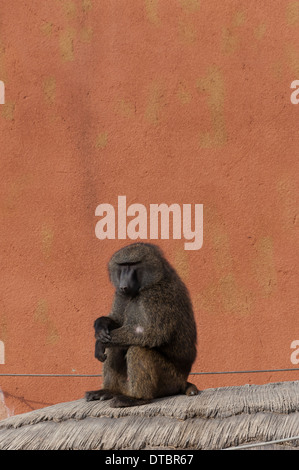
x: 151, y: 343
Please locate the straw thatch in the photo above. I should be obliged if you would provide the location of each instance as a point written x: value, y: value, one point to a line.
x: 215, y: 419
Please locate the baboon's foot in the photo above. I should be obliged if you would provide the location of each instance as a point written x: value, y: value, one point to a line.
x: 98, y: 395
x: 122, y: 401
x: 191, y: 389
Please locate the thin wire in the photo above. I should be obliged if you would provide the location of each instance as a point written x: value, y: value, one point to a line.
x: 259, y: 444
x: 50, y: 375
x: 191, y: 373
x: 244, y: 371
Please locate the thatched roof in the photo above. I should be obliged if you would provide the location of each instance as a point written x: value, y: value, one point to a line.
x: 215, y: 419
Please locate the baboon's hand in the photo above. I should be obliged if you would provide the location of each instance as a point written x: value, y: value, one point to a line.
x: 102, y: 332
x: 103, y: 336
x: 100, y: 351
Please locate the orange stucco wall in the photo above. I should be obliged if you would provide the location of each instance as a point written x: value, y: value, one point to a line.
x: 163, y: 101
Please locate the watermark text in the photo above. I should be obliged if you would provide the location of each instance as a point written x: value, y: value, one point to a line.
x: 2, y: 359
x: 132, y: 222
x: 294, y: 95
x: 2, y: 92
x: 295, y: 354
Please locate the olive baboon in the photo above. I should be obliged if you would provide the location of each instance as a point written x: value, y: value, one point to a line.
x: 150, y: 334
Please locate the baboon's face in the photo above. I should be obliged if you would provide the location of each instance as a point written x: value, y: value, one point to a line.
x: 129, y: 279
x: 135, y: 267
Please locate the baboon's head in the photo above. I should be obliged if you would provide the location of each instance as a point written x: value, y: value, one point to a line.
x: 135, y: 267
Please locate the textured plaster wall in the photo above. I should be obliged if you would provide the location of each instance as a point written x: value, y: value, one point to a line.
x: 174, y: 101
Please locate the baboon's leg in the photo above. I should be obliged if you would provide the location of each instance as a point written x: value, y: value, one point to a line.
x: 150, y: 376
x: 115, y: 370
x: 115, y: 376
